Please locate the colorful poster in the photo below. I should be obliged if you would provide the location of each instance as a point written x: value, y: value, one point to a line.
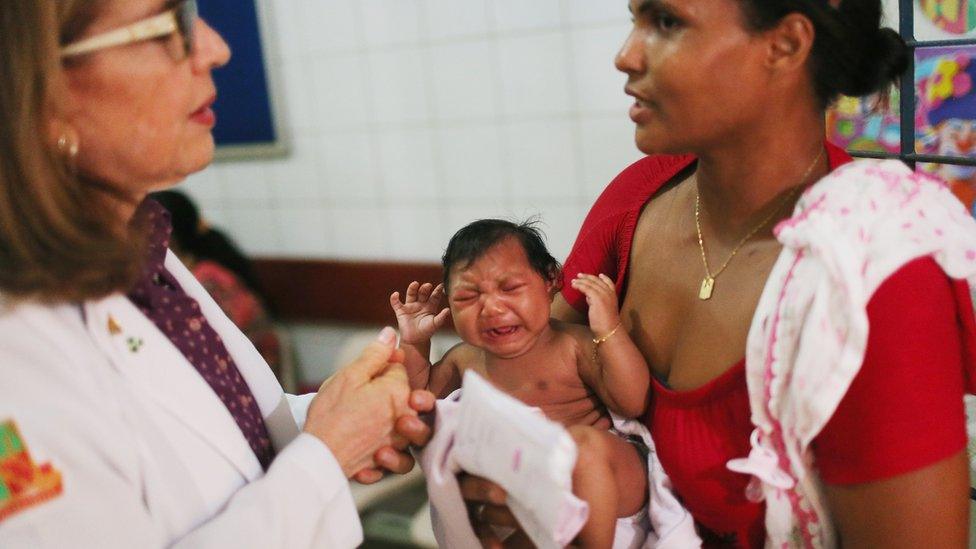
x: 867, y: 124
x: 945, y: 113
x: 944, y: 19
x: 964, y: 188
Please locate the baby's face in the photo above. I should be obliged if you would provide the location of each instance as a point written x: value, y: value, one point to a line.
x: 499, y: 303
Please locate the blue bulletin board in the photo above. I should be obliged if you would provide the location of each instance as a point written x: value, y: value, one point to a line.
x: 246, y: 121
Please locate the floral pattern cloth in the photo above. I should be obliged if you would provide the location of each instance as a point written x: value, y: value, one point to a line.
x: 807, y: 341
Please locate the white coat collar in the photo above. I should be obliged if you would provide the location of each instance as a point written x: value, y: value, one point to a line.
x: 148, y: 360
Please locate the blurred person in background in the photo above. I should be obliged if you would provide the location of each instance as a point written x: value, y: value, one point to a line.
x: 226, y: 274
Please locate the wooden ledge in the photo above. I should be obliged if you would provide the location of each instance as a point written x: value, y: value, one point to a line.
x: 356, y: 292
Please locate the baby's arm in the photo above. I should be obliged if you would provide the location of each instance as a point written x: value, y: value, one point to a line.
x: 614, y: 367
x: 445, y: 376
x: 419, y: 317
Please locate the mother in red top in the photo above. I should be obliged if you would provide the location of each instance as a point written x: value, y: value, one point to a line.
x: 729, y: 104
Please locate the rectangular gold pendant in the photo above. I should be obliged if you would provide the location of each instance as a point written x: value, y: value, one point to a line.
x: 708, y: 284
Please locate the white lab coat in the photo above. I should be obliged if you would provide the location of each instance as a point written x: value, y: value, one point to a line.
x: 149, y: 455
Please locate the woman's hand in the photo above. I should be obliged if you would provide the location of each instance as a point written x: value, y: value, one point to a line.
x: 420, y: 315
x: 355, y: 410
x: 410, y: 431
x: 601, y: 296
x: 487, y: 507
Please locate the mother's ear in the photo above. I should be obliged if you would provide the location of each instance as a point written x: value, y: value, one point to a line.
x: 790, y: 43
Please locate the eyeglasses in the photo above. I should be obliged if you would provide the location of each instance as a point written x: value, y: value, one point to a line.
x: 181, y: 18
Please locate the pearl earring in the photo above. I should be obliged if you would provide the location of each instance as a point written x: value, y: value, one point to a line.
x: 68, y: 146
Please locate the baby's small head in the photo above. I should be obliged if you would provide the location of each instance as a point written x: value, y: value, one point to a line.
x: 500, y: 279
x: 476, y: 239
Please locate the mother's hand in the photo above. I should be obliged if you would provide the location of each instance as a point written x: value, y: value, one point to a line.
x: 355, y: 411
x: 487, y: 508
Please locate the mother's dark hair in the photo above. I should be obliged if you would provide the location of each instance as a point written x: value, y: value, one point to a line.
x: 59, y: 239
x: 852, y: 54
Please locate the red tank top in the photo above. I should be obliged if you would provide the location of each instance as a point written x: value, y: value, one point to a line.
x: 913, y: 362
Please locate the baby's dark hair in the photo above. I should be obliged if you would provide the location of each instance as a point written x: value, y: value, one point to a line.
x: 474, y: 240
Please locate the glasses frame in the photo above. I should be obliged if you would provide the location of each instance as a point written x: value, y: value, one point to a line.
x: 180, y: 18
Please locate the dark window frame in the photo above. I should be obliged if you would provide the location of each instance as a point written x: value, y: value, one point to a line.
x: 907, y: 153
x: 906, y: 27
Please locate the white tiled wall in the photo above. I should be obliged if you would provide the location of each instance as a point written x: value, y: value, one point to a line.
x: 410, y: 118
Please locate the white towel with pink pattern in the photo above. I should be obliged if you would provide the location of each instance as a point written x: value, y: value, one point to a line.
x: 848, y: 233
x: 493, y: 435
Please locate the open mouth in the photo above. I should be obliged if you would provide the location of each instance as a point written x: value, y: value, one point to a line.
x: 502, y: 331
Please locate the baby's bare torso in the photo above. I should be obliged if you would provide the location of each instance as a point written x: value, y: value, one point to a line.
x: 548, y: 376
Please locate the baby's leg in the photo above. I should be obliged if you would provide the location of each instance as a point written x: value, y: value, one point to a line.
x: 611, y: 477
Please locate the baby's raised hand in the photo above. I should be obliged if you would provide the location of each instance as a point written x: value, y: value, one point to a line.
x: 601, y: 296
x: 420, y: 315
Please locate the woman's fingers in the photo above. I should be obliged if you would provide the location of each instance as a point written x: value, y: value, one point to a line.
x: 368, y: 476
x: 416, y: 430
x: 395, y: 385
x: 518, y: 540
x: 485, y: 517
x: 398, y: 443
x: 499, y: 515
x: 362, y: 403
x: 486, y: 535
x: 482, y: 529
x: 485, y: 501
x: 374, y: 359
x: 422, y: 400
x: 397, y: 356
x: 394, y: 460
x: 481, y: 490
x: 413, y: 429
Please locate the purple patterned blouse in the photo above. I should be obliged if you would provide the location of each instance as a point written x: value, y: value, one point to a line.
x: 161, y: 298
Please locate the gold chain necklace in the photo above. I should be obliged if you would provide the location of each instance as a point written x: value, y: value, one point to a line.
x: 708, y: 283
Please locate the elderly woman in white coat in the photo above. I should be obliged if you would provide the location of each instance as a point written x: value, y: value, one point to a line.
x: 132, y: 412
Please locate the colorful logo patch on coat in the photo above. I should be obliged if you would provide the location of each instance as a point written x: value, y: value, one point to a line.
x: 23, y: 483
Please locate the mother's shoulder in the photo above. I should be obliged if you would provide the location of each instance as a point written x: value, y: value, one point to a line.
x: 651, y: 172
x: 881, y: 214
x: 879, y: 189
x: 634, y: 186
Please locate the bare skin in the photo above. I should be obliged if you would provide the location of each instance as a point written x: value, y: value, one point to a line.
x: 609, y: 475
x: 544, y: 363
x: 548, y: 376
